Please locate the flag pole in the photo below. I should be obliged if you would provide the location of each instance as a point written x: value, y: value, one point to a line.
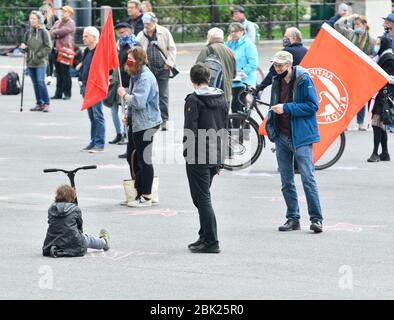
x: 121, y: 98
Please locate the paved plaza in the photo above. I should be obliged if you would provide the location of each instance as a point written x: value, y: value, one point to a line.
x: 352, y: 259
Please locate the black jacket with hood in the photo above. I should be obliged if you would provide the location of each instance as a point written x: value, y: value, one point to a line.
x: 64, y: 230
x: 206, y: 114
x: 386, y: 62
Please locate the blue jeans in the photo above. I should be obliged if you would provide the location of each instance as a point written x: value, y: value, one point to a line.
x: 93, y: 242
x: 285, y: 155
x: 97, y: 123
x: 37, y: 75
x: 119, y: 127
x: 361, y: 116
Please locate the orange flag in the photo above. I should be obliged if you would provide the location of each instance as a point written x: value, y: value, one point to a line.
x: 104, y: 59
x: 345, y: 79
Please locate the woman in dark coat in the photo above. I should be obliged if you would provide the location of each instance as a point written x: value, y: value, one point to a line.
x: 385, y: 59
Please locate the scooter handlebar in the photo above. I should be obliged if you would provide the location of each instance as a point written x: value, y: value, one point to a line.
x: 89, y: 167
x: 51, y: 170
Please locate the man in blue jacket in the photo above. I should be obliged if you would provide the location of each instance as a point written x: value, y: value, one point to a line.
x: 292, y: 125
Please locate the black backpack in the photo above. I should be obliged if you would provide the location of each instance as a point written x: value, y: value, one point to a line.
x: 215, y: 67
x: 10, y: 84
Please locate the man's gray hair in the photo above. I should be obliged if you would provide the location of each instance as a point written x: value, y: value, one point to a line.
x: 296, y: 33
x: 136, y: 2
x: 93, y: 31
x: 215, y: 35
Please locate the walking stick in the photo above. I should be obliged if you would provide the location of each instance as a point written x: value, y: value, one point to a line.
x: 23, y: 80
x: 122, y: 101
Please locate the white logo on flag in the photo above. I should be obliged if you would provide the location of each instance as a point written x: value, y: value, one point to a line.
x: 332, y: 94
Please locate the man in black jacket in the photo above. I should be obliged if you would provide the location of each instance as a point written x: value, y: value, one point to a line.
x: 134, y: 11
x: 206, y: 113
x: 292, y: 42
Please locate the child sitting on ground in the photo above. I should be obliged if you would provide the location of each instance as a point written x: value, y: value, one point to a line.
x: 65, y: 237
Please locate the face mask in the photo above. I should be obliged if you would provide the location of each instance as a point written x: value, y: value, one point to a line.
x: 283, y: 75
x: 387, y: 29
x: 130, y: 63
x: 358, y: 30
x: 376, y: 49
x: 286, y: 42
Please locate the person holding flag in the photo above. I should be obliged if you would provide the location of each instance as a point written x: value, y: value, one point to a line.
x: 97, y: 122
x: 292, y: 125
x: 144, y: 120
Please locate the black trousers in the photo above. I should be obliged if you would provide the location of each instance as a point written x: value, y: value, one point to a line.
x: 63, y: 80
x: 200, y: 179
x: 140, y: 143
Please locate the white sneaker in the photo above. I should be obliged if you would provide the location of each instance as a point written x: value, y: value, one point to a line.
x: 49, y: 80
x: 140, y: 203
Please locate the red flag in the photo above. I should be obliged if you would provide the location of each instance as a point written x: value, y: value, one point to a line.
x: 104, y: 59
x: 345, y: 79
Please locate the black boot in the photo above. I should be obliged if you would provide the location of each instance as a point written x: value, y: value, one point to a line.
x: 116, y: 139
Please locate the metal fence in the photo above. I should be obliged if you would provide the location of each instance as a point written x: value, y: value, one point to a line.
x: 191, y: 23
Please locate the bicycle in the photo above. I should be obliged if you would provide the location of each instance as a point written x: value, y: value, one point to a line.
x: 245, y: 144
x: 71, y: 174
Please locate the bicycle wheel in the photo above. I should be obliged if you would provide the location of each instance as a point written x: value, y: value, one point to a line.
x: 333, y: 153
x: 244, y: 142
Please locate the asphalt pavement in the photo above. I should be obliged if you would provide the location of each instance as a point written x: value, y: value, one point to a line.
x: 149, y: 259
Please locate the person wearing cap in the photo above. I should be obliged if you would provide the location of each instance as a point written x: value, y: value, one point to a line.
x: 358, y: 33
x: 292, y: 126
x: 238, y: 13
x: 134, y: 11
x: 343, y: 11
x: 215, y: 41
x: 247, y: 60
x: 160, y: 46
x: 63, y: 33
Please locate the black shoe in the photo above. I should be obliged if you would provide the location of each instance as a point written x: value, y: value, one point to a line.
x: 384, y: 157
x: 37, y: 108
x: 116, y: 139
x: 66, y: 97
x: 373, y: 158
x: 164, y: 126
x: 206, y: 247
x: 88, y: 147
x: 290, y: 225
x: 122, y: 156
x: 316, y: 226
x: 56, y: 97
x: 195, y: 244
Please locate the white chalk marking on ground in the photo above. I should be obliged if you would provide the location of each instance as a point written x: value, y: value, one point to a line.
x: 342, y: 226
x: 254, y: 174
x: 344, y: 168
x: 112, y: 166
x: 114, y: 187
x: 46, y: 124
x: 55, y: 137
x: 117, y: 255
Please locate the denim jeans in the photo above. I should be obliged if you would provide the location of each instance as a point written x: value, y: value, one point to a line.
x: 37, y: 75
x: 92, y: 242
x: 285, y: 155
x: 97, y: 123
x: 119, y: 127
x: 361, y: 116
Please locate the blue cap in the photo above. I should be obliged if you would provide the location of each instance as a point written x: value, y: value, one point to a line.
x: 390, y: 17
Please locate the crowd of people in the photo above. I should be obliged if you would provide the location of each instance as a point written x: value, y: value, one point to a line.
x: 147, y: 55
